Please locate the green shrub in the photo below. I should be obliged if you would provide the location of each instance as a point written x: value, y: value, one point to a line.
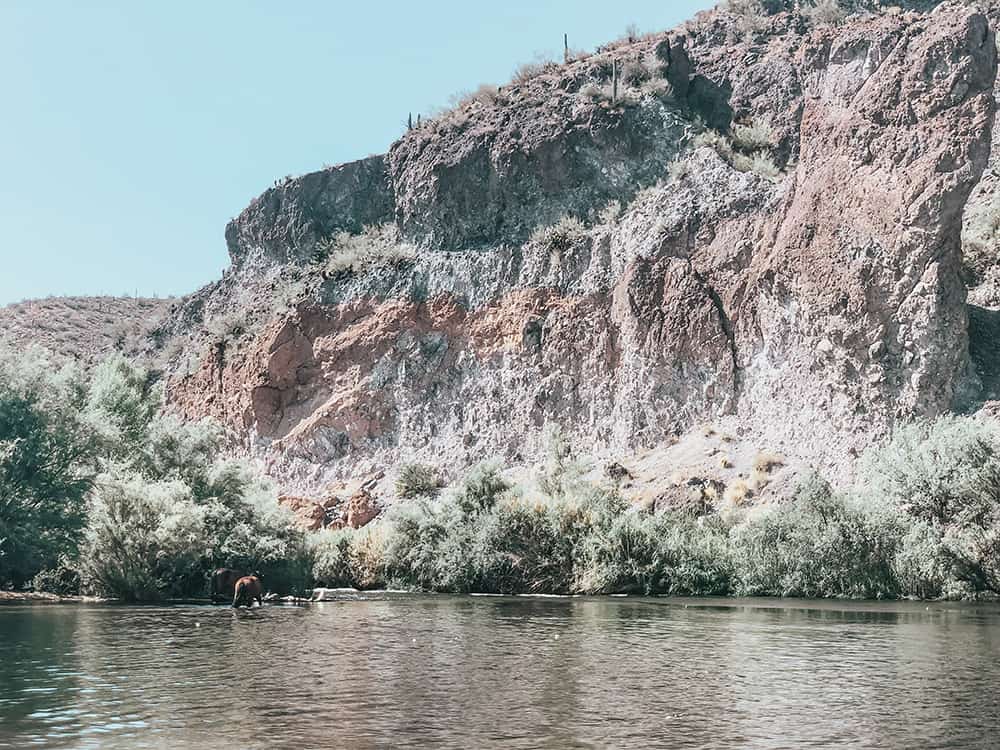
x: 923, y: 567
x: 561, y: 474
x: 674, y: 553
x: 121, y: 402
x: 945, y: 475
x: 63, y: 579
x: 945, y: 472
x: 142, y: 505
x: 818, y: 544
x: 410, y: 550
x: 331, y: 556
x: 144, y: 541
x: 481, y: 489
x: 417, y: 480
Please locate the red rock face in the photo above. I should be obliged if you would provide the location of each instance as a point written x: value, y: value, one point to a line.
x: 815, y: 309
x: 310, y: 514
x: 361, y: 510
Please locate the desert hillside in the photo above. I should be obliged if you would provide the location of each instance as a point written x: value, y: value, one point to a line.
x: 83, y: 328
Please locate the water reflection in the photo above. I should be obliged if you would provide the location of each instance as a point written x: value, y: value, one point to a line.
x: 477, y: 672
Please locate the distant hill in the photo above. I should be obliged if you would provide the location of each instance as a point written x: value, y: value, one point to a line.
x: 83, y: 328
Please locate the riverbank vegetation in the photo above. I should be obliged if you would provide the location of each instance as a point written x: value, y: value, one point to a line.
x: 922, y: 520
x: 101, y: 493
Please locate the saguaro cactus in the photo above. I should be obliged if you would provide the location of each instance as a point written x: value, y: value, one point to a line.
x: 614, y: 81
x: 565, y: 48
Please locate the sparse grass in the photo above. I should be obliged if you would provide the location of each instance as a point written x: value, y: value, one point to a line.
x: 823, y: 12
x: 655, y: 87
x: 635, y: 72
x: 486, y: 94
x: 349, y: 253
x: 530, y: 70
x: 227, y: 327
x: 759, y: 162
x: 563, y: 235
x: 610, y: 213
x: 749, y: 15
x: 981, y: 240
x: 85, y: 328
x: 766, y: 461
x: 754, y: 136
x: 736, y: 493
x: 678, y: 169
x: 758, y: 479
x: 763, y: 464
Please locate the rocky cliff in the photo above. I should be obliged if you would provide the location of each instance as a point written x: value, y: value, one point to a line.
x: 755, y: 223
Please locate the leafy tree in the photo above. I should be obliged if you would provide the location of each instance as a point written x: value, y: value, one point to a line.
x: 46, y: 463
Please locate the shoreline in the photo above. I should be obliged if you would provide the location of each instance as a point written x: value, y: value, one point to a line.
x: 328, y: 596
x: 42, y: 597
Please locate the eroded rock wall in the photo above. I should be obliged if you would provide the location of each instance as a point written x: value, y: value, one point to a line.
x: 815, y: 305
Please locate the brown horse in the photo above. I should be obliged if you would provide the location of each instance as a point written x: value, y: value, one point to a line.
x: 223, y: 584
x: 249, y: 588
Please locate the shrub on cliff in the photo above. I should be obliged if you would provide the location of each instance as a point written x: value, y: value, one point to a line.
x: 754, y: 136
x: 757, y: 161
x: 347, y: 253
x: 748, y: 15
x: 563, y: 235
x: 823, y: 12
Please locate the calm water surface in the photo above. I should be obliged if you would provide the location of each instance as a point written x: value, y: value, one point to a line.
x: 469, y: 672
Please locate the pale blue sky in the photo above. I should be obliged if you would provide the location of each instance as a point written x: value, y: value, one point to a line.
x: 131, y: 132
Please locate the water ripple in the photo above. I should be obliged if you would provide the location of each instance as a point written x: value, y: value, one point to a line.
x: 501, y: 672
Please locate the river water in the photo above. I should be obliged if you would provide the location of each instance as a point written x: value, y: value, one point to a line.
x: 470, y: 672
